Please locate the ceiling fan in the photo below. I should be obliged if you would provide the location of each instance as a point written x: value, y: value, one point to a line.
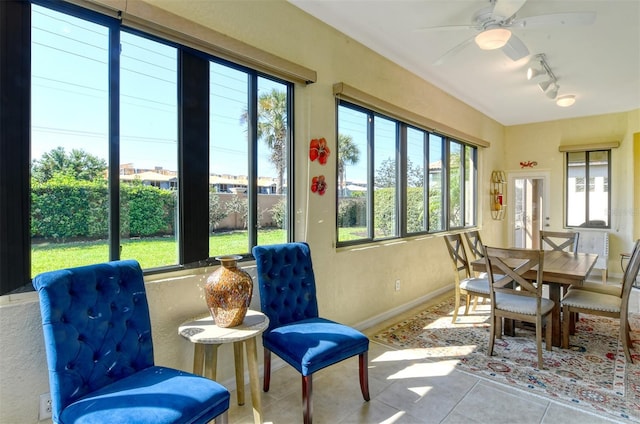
x: 493, y: 26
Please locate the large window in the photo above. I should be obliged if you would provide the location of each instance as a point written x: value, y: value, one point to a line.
x: 587, y: 187
x: 139, y: 148
x: 396, y: 180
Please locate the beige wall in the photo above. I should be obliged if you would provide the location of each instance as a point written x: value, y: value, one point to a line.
x: 355, y: 285
x: 539, y: 142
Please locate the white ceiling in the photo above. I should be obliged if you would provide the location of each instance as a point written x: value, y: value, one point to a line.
x: 598, y: 63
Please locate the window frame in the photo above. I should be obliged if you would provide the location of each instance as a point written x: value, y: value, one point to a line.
x: 587, y: 183
x: 193, y: 145
x: 401, y: 163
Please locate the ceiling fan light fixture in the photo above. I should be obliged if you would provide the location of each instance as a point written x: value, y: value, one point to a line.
x: 566, y: 100
x: 493, y: 38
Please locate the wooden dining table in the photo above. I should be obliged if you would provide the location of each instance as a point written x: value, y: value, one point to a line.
x: 559, y: 269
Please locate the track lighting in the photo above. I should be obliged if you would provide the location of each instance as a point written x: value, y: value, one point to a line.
x: 549, y: 87
x: 493, y: 38
x: 533, y: 72
x: 552, y: 92
x: 566, y: 100
x: 544, y: 85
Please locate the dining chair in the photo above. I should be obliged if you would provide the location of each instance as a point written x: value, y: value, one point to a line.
x: 516, y: 297
x: 97, y: 335
x: 602, y: 304
x: 566, y: 241
x: 474, y: 242
x: 465, y: 283
x: 296, y: 332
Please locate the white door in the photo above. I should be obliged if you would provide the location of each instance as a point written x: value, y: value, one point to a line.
x: 529, y: 211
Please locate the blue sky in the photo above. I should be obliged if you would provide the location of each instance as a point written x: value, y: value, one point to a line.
x: 70, y: 98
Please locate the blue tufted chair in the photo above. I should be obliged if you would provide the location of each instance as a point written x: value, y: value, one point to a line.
x: 97, y: 335
x: 296, y: 333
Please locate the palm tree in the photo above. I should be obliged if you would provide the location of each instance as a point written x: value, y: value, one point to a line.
x: 272, y: 128
x: 348, y: 154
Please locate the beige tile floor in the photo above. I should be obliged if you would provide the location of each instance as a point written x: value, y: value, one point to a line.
x: 405, y: 388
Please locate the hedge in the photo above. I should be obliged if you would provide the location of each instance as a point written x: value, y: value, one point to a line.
x: 65, y: 209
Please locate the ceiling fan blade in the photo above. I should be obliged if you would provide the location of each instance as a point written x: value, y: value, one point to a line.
x: 452, y: 52
x: 507, y: 8
x: 448, y: 28
x: 515, y: 48
x: 556, y: 19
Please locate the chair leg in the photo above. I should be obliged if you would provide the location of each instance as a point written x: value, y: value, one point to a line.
x: 548, y: 336
x: 467, y: 300
x: 539, y: 342
x: 492, y: 335
x: 626, y: 339
x: 267, y: 370
x: 364, y: 374
x: 457, y: 306
x: 567, y: 316
x: 222, y: 418
x: 307, y: 399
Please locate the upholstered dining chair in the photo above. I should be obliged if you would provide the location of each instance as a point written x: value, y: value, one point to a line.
x: 296, y: 332
x: 465, y: 283
x: 97, y: 334
x: 602, y: 304
x: 566, y: 241
x: 516, y: 297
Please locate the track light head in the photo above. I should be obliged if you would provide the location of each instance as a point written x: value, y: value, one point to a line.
x: 535, y: 72
x: 544, y: 85
x: 552, y: 93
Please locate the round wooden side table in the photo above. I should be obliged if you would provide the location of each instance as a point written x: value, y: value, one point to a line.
x: 207, y: 337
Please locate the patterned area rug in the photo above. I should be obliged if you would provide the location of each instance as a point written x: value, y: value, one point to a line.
x: 592, y: 374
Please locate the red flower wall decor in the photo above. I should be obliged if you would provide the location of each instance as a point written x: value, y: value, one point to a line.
x: 318, y: 150
x: 318, y: 185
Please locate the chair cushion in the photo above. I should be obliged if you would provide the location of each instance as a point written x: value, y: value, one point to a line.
x: 312, y: 344
x: 613, y: 290
x: 155, y: 395
x: 592, y: 300
x: 522, y: 304
x: 476, y: 285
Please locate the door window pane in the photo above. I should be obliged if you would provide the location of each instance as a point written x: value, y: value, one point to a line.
x: 148, y: 152
x: 69, y: 141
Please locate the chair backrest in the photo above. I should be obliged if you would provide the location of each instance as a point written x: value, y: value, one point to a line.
x: 508, y: 266
x: 96, y: 327
x: 560, y: 240
x: 475, y: 243
x: 458, y: 255
x: 286, y: 282
x: 629, y: 277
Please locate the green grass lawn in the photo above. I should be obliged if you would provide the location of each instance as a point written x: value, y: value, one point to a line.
x: 150, y: 252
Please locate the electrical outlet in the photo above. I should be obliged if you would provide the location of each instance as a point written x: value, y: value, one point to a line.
x: 397, y: 285
x: 45, y: 406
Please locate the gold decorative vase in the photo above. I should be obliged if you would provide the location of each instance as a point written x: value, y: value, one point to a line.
x: 228, y: 292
